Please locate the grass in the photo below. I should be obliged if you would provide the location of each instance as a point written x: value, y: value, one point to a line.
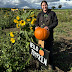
x: 63, y: 29
x: 60, y: 10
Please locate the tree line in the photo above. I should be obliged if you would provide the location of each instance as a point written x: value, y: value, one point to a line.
x: 53, y: 7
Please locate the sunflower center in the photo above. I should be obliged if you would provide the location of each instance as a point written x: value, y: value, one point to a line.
x: 22, y: 21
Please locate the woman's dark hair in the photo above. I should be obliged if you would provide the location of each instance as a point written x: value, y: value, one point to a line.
x: 44, y: 1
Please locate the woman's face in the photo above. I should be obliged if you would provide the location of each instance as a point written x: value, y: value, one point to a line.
x: 44, y: 6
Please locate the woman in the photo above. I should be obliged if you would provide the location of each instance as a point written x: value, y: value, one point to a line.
x: 49, y: 21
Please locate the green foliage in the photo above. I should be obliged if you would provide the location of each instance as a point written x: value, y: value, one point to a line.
x: 60, y: 6
x: 15, y: 56
x: 64, y: 15
x: 6, y: 19
x: 53, y: 7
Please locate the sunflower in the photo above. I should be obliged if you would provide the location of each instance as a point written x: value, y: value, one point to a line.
x: 17, y: 17
x: 15, y: 21
x: 32, y: 15
x: 18, y: 22
x: 12, y: 40
x: 11, y: 34
x: 17, y: 25
x: 33, y: 21
x: 31, y: 28
x: 28, y: 19
x: 23, y: 9
x: 40, y: 9
x: 22, y: 22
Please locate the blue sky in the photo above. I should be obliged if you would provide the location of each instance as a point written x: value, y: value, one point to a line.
x: 35, y: 3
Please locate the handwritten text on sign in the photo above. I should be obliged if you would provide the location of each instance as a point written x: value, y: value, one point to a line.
x: 39, y: 53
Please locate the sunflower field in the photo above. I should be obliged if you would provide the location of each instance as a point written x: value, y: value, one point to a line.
x: 15, y: 48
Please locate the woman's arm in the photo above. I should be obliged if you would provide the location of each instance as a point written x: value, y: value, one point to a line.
x: 55, y: 22
x: 37, y: 21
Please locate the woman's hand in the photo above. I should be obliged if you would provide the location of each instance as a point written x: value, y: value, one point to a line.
x: 36, y: 27
x: 46, y: 28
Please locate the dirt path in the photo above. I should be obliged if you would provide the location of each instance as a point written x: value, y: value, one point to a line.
x: 11, y: 29
x: 63, y: 53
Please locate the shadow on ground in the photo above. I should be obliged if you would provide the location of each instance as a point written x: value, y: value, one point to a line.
x: 63, y: 54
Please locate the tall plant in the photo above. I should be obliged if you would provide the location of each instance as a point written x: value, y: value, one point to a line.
x: 15, y: 52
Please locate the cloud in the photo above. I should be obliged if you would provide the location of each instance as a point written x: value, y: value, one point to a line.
x: 23, y: 4
x: 15, y: 3
x: 34, y: 3
x: 37, y: 1
x: 64, y: 0
x: 66, y: 4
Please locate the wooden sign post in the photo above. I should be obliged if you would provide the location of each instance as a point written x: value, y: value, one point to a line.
x: 41, y: 43
x: 39, y: 53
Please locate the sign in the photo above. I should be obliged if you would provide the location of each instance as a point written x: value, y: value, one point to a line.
x: 41, y: 54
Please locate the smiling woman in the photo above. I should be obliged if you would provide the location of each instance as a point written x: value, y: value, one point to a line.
x: 48, y: 20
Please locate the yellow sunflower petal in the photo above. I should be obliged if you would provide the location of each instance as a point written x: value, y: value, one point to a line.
x: 28, y: 19
x: 23, y: 9
x: 17, y: 25
x: 22, y: 23
x: 12, y: 40
x: 11, y: 34
x: 32, y: 15
x: 15, y: 21
x: 17, y: 17
x: 31, y: 28
x: 33, y: 21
